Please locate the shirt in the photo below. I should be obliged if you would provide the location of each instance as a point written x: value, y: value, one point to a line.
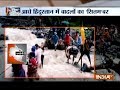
x: 38, y: 55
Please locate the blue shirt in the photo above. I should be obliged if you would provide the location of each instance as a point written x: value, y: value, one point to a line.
x: 55, y: 38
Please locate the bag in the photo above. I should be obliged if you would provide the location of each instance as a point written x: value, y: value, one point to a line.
x: 85, y: 67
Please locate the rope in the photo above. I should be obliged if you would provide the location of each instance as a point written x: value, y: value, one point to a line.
x: 5, y: 70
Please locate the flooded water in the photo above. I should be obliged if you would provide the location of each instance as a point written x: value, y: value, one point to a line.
x: 55, y: 65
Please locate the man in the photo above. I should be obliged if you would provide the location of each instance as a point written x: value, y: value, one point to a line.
x: 38, y: 54
x: 67, y: 40
x: 85, y: 50
x: 18, y: 70
x: 55, y: 40
x: 77, y: 40
x: 42, y: 54
x: 71, y: 50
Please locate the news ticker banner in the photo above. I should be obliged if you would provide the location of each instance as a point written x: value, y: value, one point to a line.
x: 59, y: 11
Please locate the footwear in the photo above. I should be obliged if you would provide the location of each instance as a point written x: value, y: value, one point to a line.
x: 75, y: 63
x: 67, y: 62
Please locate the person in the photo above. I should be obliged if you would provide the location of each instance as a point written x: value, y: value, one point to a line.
x: 85, y: 50
x: 67, y: 40
x: 42, y: 54
x: 18, y: 70
x: 77, y: 40
x: 32, y: 53
x: 55, y: 40
x: 71, y: 50
x: 106, y: 34
x: 33, y: 48
x: 32, y: 66
x: 38, y: 54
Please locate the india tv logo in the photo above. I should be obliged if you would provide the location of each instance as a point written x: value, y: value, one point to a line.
x: 12, y: 11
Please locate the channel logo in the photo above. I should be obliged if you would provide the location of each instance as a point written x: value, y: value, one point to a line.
x: 12, y: 11
x: 104, y: 76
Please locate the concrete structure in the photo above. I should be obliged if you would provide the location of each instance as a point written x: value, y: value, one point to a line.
x: 39, y: 3
x: 100, y: 3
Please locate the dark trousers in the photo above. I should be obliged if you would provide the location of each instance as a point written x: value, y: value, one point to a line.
x: 42, y: 59
x: 88, y: 55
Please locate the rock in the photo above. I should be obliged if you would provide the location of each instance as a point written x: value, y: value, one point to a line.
x: 118, y: 55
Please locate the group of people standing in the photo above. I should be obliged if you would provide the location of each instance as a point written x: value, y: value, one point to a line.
x: 36, y: 58
x: 35, y: 61
x: 67, y: 40
x: 84, y: 48
x: 76, y: 40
